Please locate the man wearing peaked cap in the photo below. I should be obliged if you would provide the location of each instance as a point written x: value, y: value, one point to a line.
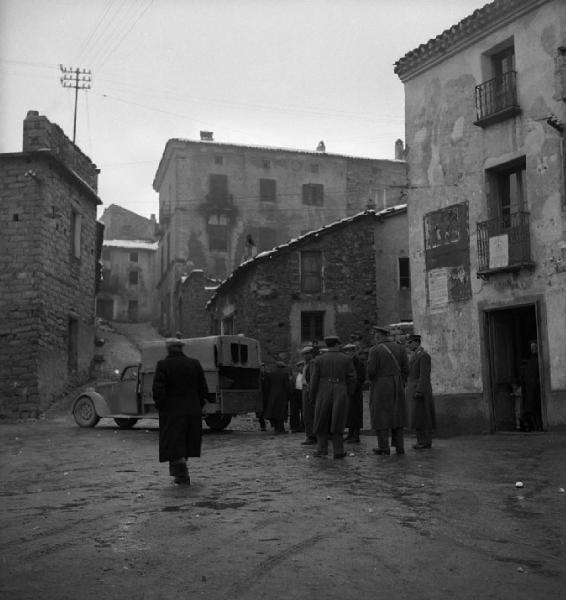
x: 381, y: 329
x: 419, y: 393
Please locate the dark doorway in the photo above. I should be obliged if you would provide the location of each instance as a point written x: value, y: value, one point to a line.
x: 514, y: 370
x: 105, y: 308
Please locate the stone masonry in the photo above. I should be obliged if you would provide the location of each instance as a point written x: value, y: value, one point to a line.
x: 48, y: 256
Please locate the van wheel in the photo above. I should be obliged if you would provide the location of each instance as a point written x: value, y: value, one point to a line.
x: 217, y: 422
x: 85, y: 413
x: 124, y: 423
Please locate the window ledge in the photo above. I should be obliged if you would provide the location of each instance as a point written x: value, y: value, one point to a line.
x: 486, y: 273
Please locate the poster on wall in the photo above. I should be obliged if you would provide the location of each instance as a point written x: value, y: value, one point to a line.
x: 498, y: 251
x: 447, y: 255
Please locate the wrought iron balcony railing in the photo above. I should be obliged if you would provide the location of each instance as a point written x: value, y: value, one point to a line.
x: 504, y: 244
x: 496, y: 99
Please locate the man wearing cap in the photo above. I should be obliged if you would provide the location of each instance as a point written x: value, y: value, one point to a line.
x: 308, y: 406
x: 387, y: 371
x: 278, y: 391
x: 419, y: 393
x: 179, y: 393
x: 333, y: 380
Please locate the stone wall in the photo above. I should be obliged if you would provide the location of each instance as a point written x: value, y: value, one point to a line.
x: 194, y: 292
x: 265, y: 298
x: 47, y: 281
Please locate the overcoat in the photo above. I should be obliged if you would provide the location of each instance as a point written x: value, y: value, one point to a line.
x: 277, y: 390
x: 333, y: 380
x: 423, y: 415
x: 387, y: 372
x: 355, y: 418
x: 179, y: 392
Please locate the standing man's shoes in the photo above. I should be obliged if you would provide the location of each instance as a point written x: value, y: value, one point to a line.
x: 308, y: 442
x: 384, y: 451
x: 182, y: 480
x: 319, y: 453
x: 422, y: 446
x: 340, y: 455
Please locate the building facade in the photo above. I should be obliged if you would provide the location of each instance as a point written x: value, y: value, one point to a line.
x: 49, y: 251
x: 324, y: 282
x: 485, y: 121
x: 222, y: 203
x: 127, y: 289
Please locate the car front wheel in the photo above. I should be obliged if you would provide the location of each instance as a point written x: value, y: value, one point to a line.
x: 85, y: 413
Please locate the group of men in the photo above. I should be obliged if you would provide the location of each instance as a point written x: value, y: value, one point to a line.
x: 332, y: 398
x: 332, y: 383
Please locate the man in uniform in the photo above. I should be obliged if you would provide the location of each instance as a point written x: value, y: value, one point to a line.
x: 419, y: 393
x: 179, y: 393
x: 387, y: 371
x: 278, y: 392
x: 332, y: 381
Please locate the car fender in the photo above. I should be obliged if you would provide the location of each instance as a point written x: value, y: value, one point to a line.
x: 100, y: 404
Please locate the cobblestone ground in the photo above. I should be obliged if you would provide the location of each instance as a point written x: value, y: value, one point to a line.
x: 90, y: 514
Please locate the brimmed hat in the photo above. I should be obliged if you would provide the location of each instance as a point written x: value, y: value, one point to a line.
x: 307, y: 350
x: 300, y: 363
x: 332, y: 338
x: 349, y: 347
x: 172, y: 342
x: 280, y: 364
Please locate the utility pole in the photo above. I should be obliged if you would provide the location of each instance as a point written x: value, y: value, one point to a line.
x: 80, y: 79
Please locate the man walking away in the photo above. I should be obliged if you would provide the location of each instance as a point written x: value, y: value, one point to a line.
x: 387, y: 372
x: 332, y: 381
x: 419, y: 393
x: 179, y: 393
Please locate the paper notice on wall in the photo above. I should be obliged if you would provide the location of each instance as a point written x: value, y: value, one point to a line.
x: 498, y: 251
x: 438, y: 288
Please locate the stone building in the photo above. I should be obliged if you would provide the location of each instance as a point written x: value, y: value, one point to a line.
x: 49, y: 251
x: 487, y: 214
x: 222, y: 203
x: 192, y: 293
x: 321, y: 283
x: 127, y: 290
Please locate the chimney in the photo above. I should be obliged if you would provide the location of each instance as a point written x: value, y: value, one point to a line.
x: 399, y: 150
x: 321, y: 147
x: 206, y: 136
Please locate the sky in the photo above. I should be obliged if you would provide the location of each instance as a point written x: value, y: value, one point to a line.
x: 277, y: 73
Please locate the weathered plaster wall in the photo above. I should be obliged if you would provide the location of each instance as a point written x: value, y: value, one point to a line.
x: 448, y: 156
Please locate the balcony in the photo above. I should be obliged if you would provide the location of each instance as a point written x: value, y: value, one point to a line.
x: 504, y: 244
x: 496, y: 100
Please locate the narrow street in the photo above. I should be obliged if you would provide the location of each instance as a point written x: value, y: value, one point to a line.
x: 90, y: 513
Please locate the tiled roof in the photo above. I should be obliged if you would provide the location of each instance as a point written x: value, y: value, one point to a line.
x: 262, y: 256
x: 481, y: 22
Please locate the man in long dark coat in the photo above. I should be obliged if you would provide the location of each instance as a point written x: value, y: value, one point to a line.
x: 387, y: 371
x: 333, y: 379
x: 179, y: 393
x: 355, y: 420
x: 278, y: 391
x: 419, y: 393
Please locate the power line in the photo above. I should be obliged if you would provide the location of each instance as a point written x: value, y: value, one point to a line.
x: 80, y: 79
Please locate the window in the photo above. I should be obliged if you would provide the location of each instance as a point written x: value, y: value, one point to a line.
x: 133, y: 257
x: 267, y: 190
x: 75, y: 234
x: 218, y: 160
x: 267, y: 238
x: 266, y: 163
x: 313, y: 194
x: 73, y: 345
x: 228, y: 325
x: 133, y: 277
x: 312, y: 326
x: 218, y: 233
x: 106, y: 273
x: 315, y: 168
x: 311, y: 272
x: 506, y: 190
x: 132, y: 310
x: 218, y: 188
x: 404, y: 274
